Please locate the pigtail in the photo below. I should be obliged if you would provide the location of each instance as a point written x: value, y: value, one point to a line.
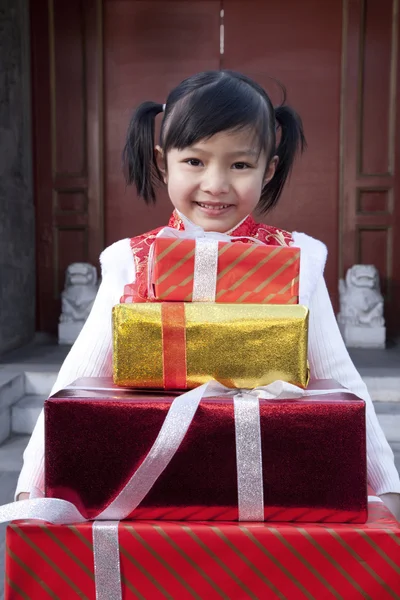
x: 292, y: 141
x: 140, y: 166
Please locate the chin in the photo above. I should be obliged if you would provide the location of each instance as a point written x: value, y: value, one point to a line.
x: 218, y: 225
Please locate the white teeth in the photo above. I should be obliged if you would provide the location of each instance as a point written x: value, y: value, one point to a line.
x: 214, y: 206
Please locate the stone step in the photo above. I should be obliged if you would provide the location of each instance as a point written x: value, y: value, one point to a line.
x: 12, y: 386
x: 25, y: 412
x: 385, y: 388
x: 11, y: 452
x: 388, y: 414
x: 391, y: 427
x: 39, y: 382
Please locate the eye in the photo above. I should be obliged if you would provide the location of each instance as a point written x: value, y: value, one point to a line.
x: 241, y: 166
x: 193, y: 162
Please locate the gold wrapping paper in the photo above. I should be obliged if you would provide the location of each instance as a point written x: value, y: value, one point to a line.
x: 241, y: 346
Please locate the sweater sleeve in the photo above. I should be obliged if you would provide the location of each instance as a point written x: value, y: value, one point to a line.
x: 329, y: 359
x: 90, y: 356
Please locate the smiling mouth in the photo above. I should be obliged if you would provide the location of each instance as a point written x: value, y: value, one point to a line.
x: 213, y: 206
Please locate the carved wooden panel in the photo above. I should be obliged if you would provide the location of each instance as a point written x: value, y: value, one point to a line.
x: 374, y: 200
x: 370, y: 145
x: 374, y: 248
x: 375, y: 87
x: 68, y: 87
x: 71, y: 243
x: 71, y: 201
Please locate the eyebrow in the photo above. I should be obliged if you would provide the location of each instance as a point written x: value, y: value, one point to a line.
x: 244, y: 152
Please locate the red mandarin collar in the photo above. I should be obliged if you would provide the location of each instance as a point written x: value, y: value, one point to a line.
x: 140, y: 246
x: 247, y: 228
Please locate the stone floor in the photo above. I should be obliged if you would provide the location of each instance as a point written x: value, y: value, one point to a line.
x: 39, y: 353
x: 377, y: 363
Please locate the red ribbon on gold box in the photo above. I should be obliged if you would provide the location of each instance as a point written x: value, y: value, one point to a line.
x: 246, y: 273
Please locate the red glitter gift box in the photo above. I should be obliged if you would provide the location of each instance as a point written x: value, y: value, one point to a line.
x: 97, y: 435
x: 212, y: 560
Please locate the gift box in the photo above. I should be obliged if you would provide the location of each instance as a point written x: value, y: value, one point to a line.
x: 237, y: 272
x: 205, y: 560
x: 97, y: 436
x: 176, y: 345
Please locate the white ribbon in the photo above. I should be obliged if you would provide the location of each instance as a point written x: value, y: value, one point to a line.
x: 173, y: 430
x: 249, y: 457
x: 107, y: 568
x: 206, y: 258
x: 205, y: 270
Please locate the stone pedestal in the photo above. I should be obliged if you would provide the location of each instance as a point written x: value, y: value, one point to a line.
x: 363, y: 337
x: 69, y: 331
x: 77, y: 300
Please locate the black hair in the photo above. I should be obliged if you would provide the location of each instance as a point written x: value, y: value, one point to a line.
x: 198, y: 108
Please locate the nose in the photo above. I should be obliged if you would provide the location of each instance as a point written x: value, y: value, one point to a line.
x: 215, y: 182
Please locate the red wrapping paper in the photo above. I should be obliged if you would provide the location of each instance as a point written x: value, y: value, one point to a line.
x: 314, y: 455
x: 204, y: 560
x: 247, y: 273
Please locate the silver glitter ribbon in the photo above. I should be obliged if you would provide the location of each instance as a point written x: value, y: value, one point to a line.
x: 205, y: 270
x: 249, y: 457
x: 107, y: 568
x: 173, y: 430
x: 52, y: 510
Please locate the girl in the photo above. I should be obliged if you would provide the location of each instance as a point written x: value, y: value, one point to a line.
x: 220, y: 160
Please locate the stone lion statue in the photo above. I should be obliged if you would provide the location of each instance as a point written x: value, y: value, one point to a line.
x: 361, y: 302
x: 79, y: 292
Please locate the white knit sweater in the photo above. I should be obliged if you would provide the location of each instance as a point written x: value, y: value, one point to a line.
x: 91, y: 356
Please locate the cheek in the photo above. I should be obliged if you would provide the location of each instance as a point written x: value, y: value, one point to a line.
x: 251, y: 190
x: 179, y: 184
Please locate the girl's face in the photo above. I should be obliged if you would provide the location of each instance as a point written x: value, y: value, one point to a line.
x: 217, y: 182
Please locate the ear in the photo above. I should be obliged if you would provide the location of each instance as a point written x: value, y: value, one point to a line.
x: 161, y: 162
x: 270, y: 171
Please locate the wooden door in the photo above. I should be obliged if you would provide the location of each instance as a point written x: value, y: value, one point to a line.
x: 150, y: 46
x: 299, y: 44
x: 67, y: 144
x: 370, y: 194
x: 95, y: 60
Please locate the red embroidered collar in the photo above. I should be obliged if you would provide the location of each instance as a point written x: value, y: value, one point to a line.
x: 247, y: 228
x: 140, y: 245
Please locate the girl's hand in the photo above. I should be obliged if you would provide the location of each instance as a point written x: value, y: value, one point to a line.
x: 23, y: 496
x: 392, y: 501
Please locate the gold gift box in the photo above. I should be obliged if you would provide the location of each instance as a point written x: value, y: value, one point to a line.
x: 241, y: 346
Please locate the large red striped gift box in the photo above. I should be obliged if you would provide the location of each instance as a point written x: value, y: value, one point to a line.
x: 203, y: 560
x: 100, y: 439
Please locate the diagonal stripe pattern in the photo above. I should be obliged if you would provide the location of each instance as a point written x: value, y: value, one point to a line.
x: 247, y: 273
x: 168, y: 560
